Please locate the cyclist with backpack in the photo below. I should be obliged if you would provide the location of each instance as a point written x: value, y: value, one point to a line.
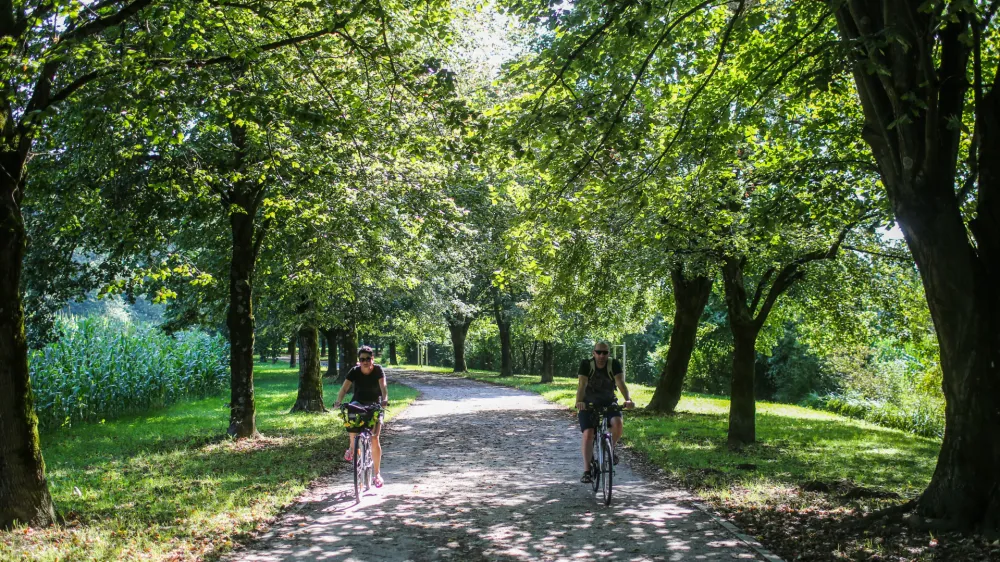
x: 597, y: 380
x: 368, y: 380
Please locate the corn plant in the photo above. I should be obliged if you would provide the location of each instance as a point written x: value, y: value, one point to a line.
x: 100, y: 368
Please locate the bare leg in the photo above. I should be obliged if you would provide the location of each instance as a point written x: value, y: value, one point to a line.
x: 616, y: 430
x: 350, y: 445
x: 588, y: 448
x: 377, y: 448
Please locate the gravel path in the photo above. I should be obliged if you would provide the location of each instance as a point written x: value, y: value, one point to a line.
x: 480, y: 472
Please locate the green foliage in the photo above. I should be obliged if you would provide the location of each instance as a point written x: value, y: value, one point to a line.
x: 795, y: 372
x: 100, y: 368
x: 922, y: 418
x: 167, y: 485
x: 894, y: 385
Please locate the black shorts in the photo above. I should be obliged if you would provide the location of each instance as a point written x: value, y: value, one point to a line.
x: 588, y: 420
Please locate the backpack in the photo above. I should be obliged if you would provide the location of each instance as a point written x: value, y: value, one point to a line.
x: 608, y: 369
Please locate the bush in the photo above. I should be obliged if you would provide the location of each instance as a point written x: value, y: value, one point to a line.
x: 923, y: 417
x: 795, y: 371
x: 100, y: 368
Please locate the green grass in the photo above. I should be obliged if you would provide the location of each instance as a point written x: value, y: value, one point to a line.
x: 795, y: 445
x: 169, y: 485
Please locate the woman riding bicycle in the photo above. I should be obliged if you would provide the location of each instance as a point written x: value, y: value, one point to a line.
x: 368, y: 380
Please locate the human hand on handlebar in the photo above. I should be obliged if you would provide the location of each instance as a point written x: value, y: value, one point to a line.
x: 629, y: 404
x: 581, y: 405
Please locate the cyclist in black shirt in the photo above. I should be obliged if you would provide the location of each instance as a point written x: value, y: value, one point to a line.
x: 598, y: 378
x: 368, y: 380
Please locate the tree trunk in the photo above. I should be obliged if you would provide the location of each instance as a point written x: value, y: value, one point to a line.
x: 690, y: 297
x: 240, y: 320
x: 310, y: 397
x: 534, y: 357
x: 332, y: 337
x: 459, y: 329
x: 24, y: 491
x: 506, y: 358
x: 322, y: 346
x: 349, y: 352
x: 916, y: 146
x: 742, y: 399
x: 548, y: 365
x: 392, y: 352
x: 291, y: 351
x: 744, y: 327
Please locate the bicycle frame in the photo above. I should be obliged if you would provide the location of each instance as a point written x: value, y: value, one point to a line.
x: 602, y: 462
x: 364, y: 465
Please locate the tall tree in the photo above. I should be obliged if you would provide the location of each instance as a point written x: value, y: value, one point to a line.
x: 691, y: 291
x: 44, y: 65
x: 923, y: 71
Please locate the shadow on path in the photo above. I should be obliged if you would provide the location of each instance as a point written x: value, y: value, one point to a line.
x: 479, y: 472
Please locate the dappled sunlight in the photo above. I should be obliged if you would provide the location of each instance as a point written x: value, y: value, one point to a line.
x: 485, y: 473
x: 794, y: 443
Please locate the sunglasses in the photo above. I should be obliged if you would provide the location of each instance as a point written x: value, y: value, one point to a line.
x: 601, y: 351
x: 364, y: 359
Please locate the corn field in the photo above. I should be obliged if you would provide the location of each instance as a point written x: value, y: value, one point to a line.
x: 100, y: 368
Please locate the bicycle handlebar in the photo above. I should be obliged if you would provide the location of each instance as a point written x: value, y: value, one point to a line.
x: 594, y: 407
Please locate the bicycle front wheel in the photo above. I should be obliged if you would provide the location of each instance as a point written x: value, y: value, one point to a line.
x: 359, y: 465
x: 607, y: 468
x: 369, y: 467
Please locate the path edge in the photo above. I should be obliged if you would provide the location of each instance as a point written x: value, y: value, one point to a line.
x: 688, y: 497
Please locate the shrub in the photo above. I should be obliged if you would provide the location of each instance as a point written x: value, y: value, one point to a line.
x: 795, y: 371
x: 101, y: 368
x: 924, y: 417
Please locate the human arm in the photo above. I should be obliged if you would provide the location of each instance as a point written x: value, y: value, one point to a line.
x: 620, y: 382
x: 340, y: 395
x: 385, y: 391
x: 581, y: 391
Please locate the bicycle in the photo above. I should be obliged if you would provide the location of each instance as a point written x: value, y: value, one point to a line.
x: 602, y: 463
x: 358, y: 419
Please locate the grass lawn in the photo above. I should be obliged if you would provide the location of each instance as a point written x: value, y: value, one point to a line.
x: 168, y: 485
x: 808, y: 471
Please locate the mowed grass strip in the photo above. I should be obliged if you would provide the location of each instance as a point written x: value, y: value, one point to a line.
x: 795, y: 446
x: 168, y: 485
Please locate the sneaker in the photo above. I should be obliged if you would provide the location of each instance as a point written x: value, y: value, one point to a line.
x: 348, y: 456
x: 378, y: 481
x: 586, y: 479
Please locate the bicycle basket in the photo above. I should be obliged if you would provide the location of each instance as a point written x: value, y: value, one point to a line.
x: 357, y: 418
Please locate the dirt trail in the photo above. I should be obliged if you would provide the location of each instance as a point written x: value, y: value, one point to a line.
x: 480, y: 472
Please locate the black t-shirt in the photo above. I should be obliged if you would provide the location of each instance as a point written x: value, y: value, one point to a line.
x: 600, y: 386
x: 366, y: 387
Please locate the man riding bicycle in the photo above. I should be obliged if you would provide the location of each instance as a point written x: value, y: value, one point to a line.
x: 597, y: 380
x: 368, y: 380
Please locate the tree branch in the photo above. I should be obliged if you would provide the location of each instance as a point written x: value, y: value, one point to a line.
x: 102, y: 23
x: 72, y: 87
x: 905, y: 259
x: 612, y: 17
x: 760, y: 289
x: 701, y: 87
x: 591, y: 155
x: 791, y: 273
x: 222, y: 59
